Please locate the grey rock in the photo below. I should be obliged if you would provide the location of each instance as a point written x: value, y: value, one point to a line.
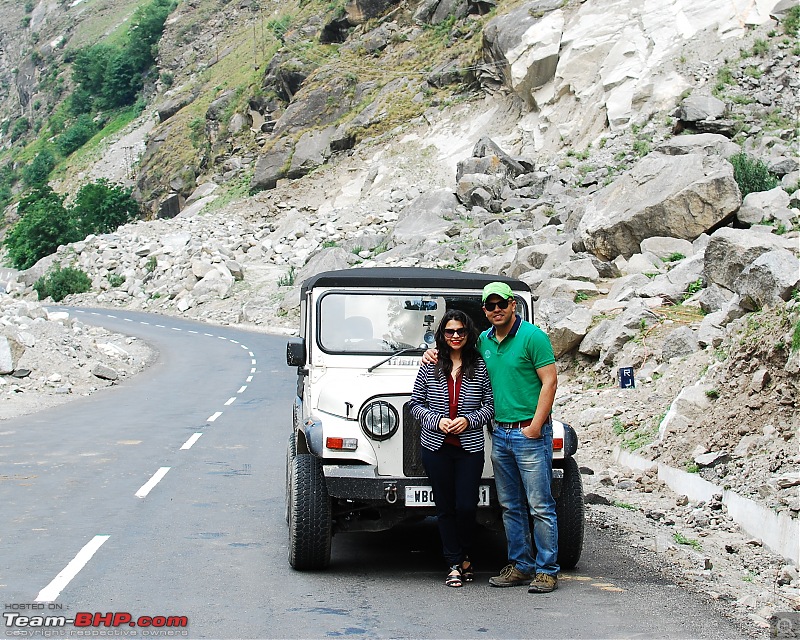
x: 104, y: 372
x: 271, y: 167
x: 677, y: 196
x: 428, y: 216
x: 663, y: 247
x: 706, y: 143
x: 311, y: 151
x: 698, y: 107
x: 565, y: 322
x: 679, y: 342
x: 729, y: 251
x: 714, y: 298
x: 768, y: 280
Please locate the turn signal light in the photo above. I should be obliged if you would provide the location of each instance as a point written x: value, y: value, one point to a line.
x: 342, y: 444
x: 558, y: 444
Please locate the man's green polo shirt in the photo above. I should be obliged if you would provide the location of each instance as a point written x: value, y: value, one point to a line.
x: 512, y: 366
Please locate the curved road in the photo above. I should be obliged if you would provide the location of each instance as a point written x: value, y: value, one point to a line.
x: 114, y: 503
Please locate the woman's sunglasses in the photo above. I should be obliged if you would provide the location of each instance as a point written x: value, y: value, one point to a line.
x: 455, y: 332
x: 502, y: 304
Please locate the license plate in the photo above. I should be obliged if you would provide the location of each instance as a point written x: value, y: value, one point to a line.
x: 423, y: 496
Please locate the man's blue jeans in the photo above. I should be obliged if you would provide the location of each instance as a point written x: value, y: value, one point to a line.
x: 523, y: 473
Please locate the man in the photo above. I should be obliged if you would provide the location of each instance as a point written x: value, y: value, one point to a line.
x: 522, y: 370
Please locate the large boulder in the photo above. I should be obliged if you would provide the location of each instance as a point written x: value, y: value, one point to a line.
x: 427, y: 216
x: 312, y: 150
x: 706, y: 143
x: 729, y: 251
x: 521, y: 48
x: 768, y: 280
x: 678, y: 196
x: 765, y: 206
x: 271, y: 166
x: 565, y: 322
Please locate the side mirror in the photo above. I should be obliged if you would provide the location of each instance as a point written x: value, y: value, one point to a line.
x: 296, y: 352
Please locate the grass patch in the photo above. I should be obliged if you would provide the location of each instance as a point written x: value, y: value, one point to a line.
x: 681, y: 539
x: 623, y: 505
x: 287, y: 280
x: 692, y: 467
x: 751, y: 174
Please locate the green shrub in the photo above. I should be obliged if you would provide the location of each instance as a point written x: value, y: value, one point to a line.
x: 115, y: 279
x: 102, y: 206
x: 752, y: 175
x: 20, y: 128
x: 791, y: 21
x: 44, y: 225
x: 77, y: 135
x: 288, y: 279
x: 58, y: 283
x: 38, y: 171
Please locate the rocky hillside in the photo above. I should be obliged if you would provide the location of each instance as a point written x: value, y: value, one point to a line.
x: 636, y: 166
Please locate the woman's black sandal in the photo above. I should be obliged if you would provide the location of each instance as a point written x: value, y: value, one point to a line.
x: 467, y: 570
x: 454, y: 578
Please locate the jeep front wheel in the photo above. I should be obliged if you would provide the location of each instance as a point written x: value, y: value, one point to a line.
x: 310, y: 515
x: 291, y: 452
x: 570, y: 513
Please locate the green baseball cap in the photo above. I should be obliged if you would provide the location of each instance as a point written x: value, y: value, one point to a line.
x: 497, y: 289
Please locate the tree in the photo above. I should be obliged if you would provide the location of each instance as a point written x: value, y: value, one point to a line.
x: 38, y: 171
x: 77, y: 135
x: 89, y: 67
x: 121, y: 82
x: 45, y: 224
x: 101, y: 207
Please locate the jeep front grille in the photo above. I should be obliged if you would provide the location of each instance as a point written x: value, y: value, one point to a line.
x: 412, y: 461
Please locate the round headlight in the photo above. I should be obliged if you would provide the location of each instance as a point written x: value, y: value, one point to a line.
x: 379, y: 420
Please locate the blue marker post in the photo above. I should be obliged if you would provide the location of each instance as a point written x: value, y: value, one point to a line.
x: 625, y: 377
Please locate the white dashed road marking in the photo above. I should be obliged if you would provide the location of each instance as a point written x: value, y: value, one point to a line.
x: 188, y: 444
x: 52, y: 590
x: 213, y: 417
x: 147, y: 487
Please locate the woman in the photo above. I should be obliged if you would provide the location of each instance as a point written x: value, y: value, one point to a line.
x: 452, y: 399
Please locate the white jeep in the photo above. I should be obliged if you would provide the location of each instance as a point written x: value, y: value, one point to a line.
x: 353, y: 461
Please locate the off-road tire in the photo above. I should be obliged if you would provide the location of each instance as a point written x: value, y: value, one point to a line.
x: 570, y: 513
x: 310, y: 515
x: 291, y: 452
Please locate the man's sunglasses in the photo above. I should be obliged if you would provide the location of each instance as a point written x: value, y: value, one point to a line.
x: 455, y: 332
x: 502, y: 303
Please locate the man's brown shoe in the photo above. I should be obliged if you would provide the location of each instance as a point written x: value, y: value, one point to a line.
x: 543, y: 583
x: 509, y: 577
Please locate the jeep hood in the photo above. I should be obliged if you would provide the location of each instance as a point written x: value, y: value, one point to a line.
x: 338, y: 387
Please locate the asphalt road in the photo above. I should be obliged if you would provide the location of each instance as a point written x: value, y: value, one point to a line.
x: 205, y: 537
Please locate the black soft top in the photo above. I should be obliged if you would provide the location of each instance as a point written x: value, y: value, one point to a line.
x: 412, y: 277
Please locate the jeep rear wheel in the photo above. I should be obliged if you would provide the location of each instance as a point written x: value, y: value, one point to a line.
x: 570, y: 513
x: 310, y: 515
x: 291, y: 452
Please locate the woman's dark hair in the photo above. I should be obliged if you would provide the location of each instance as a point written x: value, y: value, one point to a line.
x: 469, y: 352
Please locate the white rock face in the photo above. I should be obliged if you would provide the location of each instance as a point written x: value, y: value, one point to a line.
x: 620, y: 67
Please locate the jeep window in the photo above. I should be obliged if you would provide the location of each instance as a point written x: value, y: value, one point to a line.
x: 352, y: 322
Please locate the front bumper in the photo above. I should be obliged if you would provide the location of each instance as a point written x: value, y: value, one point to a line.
x: 361, y: 483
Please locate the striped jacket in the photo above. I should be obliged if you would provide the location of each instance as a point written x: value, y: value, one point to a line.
x: 430, y: 402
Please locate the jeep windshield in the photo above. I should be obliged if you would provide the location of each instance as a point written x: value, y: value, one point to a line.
x: 378, y: 323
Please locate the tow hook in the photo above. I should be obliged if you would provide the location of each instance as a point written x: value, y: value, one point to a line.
x: 390, y: 492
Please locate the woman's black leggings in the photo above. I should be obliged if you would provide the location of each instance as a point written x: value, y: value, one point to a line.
x: 455, y: 476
